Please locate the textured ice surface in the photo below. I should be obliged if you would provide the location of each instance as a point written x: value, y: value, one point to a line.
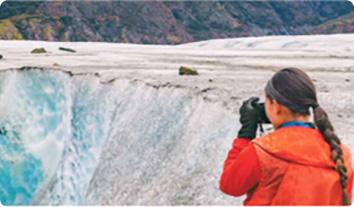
x: 74, y: 140
x: 34, y: 123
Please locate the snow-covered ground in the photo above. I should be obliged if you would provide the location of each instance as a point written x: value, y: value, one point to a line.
x: 122, y: 127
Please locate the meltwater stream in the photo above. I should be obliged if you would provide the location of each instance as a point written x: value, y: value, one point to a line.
x: 70, y: 139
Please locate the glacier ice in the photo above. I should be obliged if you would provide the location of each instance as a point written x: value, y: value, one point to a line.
x: 70, y: 139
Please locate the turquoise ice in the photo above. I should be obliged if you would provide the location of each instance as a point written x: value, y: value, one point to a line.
x: 73, y: 140
x: 20, y: 172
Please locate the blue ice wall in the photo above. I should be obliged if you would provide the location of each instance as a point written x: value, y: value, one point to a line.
x: 74, y: 140
x: 34, y: 108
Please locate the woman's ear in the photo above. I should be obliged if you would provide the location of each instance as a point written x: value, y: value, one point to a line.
x: 278, y: 108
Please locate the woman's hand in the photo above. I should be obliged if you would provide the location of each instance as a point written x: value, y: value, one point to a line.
x: 249, y: 118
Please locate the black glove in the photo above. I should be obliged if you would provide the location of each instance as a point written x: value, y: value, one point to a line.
x: 249, y: 118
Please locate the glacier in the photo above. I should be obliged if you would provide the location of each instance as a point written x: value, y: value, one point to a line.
x: 114, y: 124
x: 71, y: 139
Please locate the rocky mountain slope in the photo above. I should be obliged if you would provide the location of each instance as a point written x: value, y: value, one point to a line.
x: 343, y: 24
x: 165, y: 22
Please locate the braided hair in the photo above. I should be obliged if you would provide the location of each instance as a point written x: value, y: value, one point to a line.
x: 294, y: 89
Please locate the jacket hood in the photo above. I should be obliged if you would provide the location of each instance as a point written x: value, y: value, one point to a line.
x: 297, y: 144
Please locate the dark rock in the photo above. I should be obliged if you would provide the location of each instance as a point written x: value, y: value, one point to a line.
x: 38, y: 50
x: 235, y: 98
x: 347, y: 80
x: 206, y: 90
x: 67, y: 49
x: 1, y: 57
x: 187, y: 71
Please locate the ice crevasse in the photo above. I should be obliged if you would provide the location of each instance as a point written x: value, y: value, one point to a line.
x: 71, y: 139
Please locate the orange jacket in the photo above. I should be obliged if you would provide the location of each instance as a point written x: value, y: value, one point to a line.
x: 296, y: 169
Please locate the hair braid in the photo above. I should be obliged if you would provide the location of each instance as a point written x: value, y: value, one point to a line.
x: 327, y: 130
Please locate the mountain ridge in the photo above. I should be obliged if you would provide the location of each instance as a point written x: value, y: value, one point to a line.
x: 164, y: 22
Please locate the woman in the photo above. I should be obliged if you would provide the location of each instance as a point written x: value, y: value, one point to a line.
x: 299, y: 163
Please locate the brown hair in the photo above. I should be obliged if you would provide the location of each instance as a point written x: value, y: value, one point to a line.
x: 294, y: 89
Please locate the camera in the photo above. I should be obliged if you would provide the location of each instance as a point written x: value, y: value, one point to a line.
x: 262, y: 119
